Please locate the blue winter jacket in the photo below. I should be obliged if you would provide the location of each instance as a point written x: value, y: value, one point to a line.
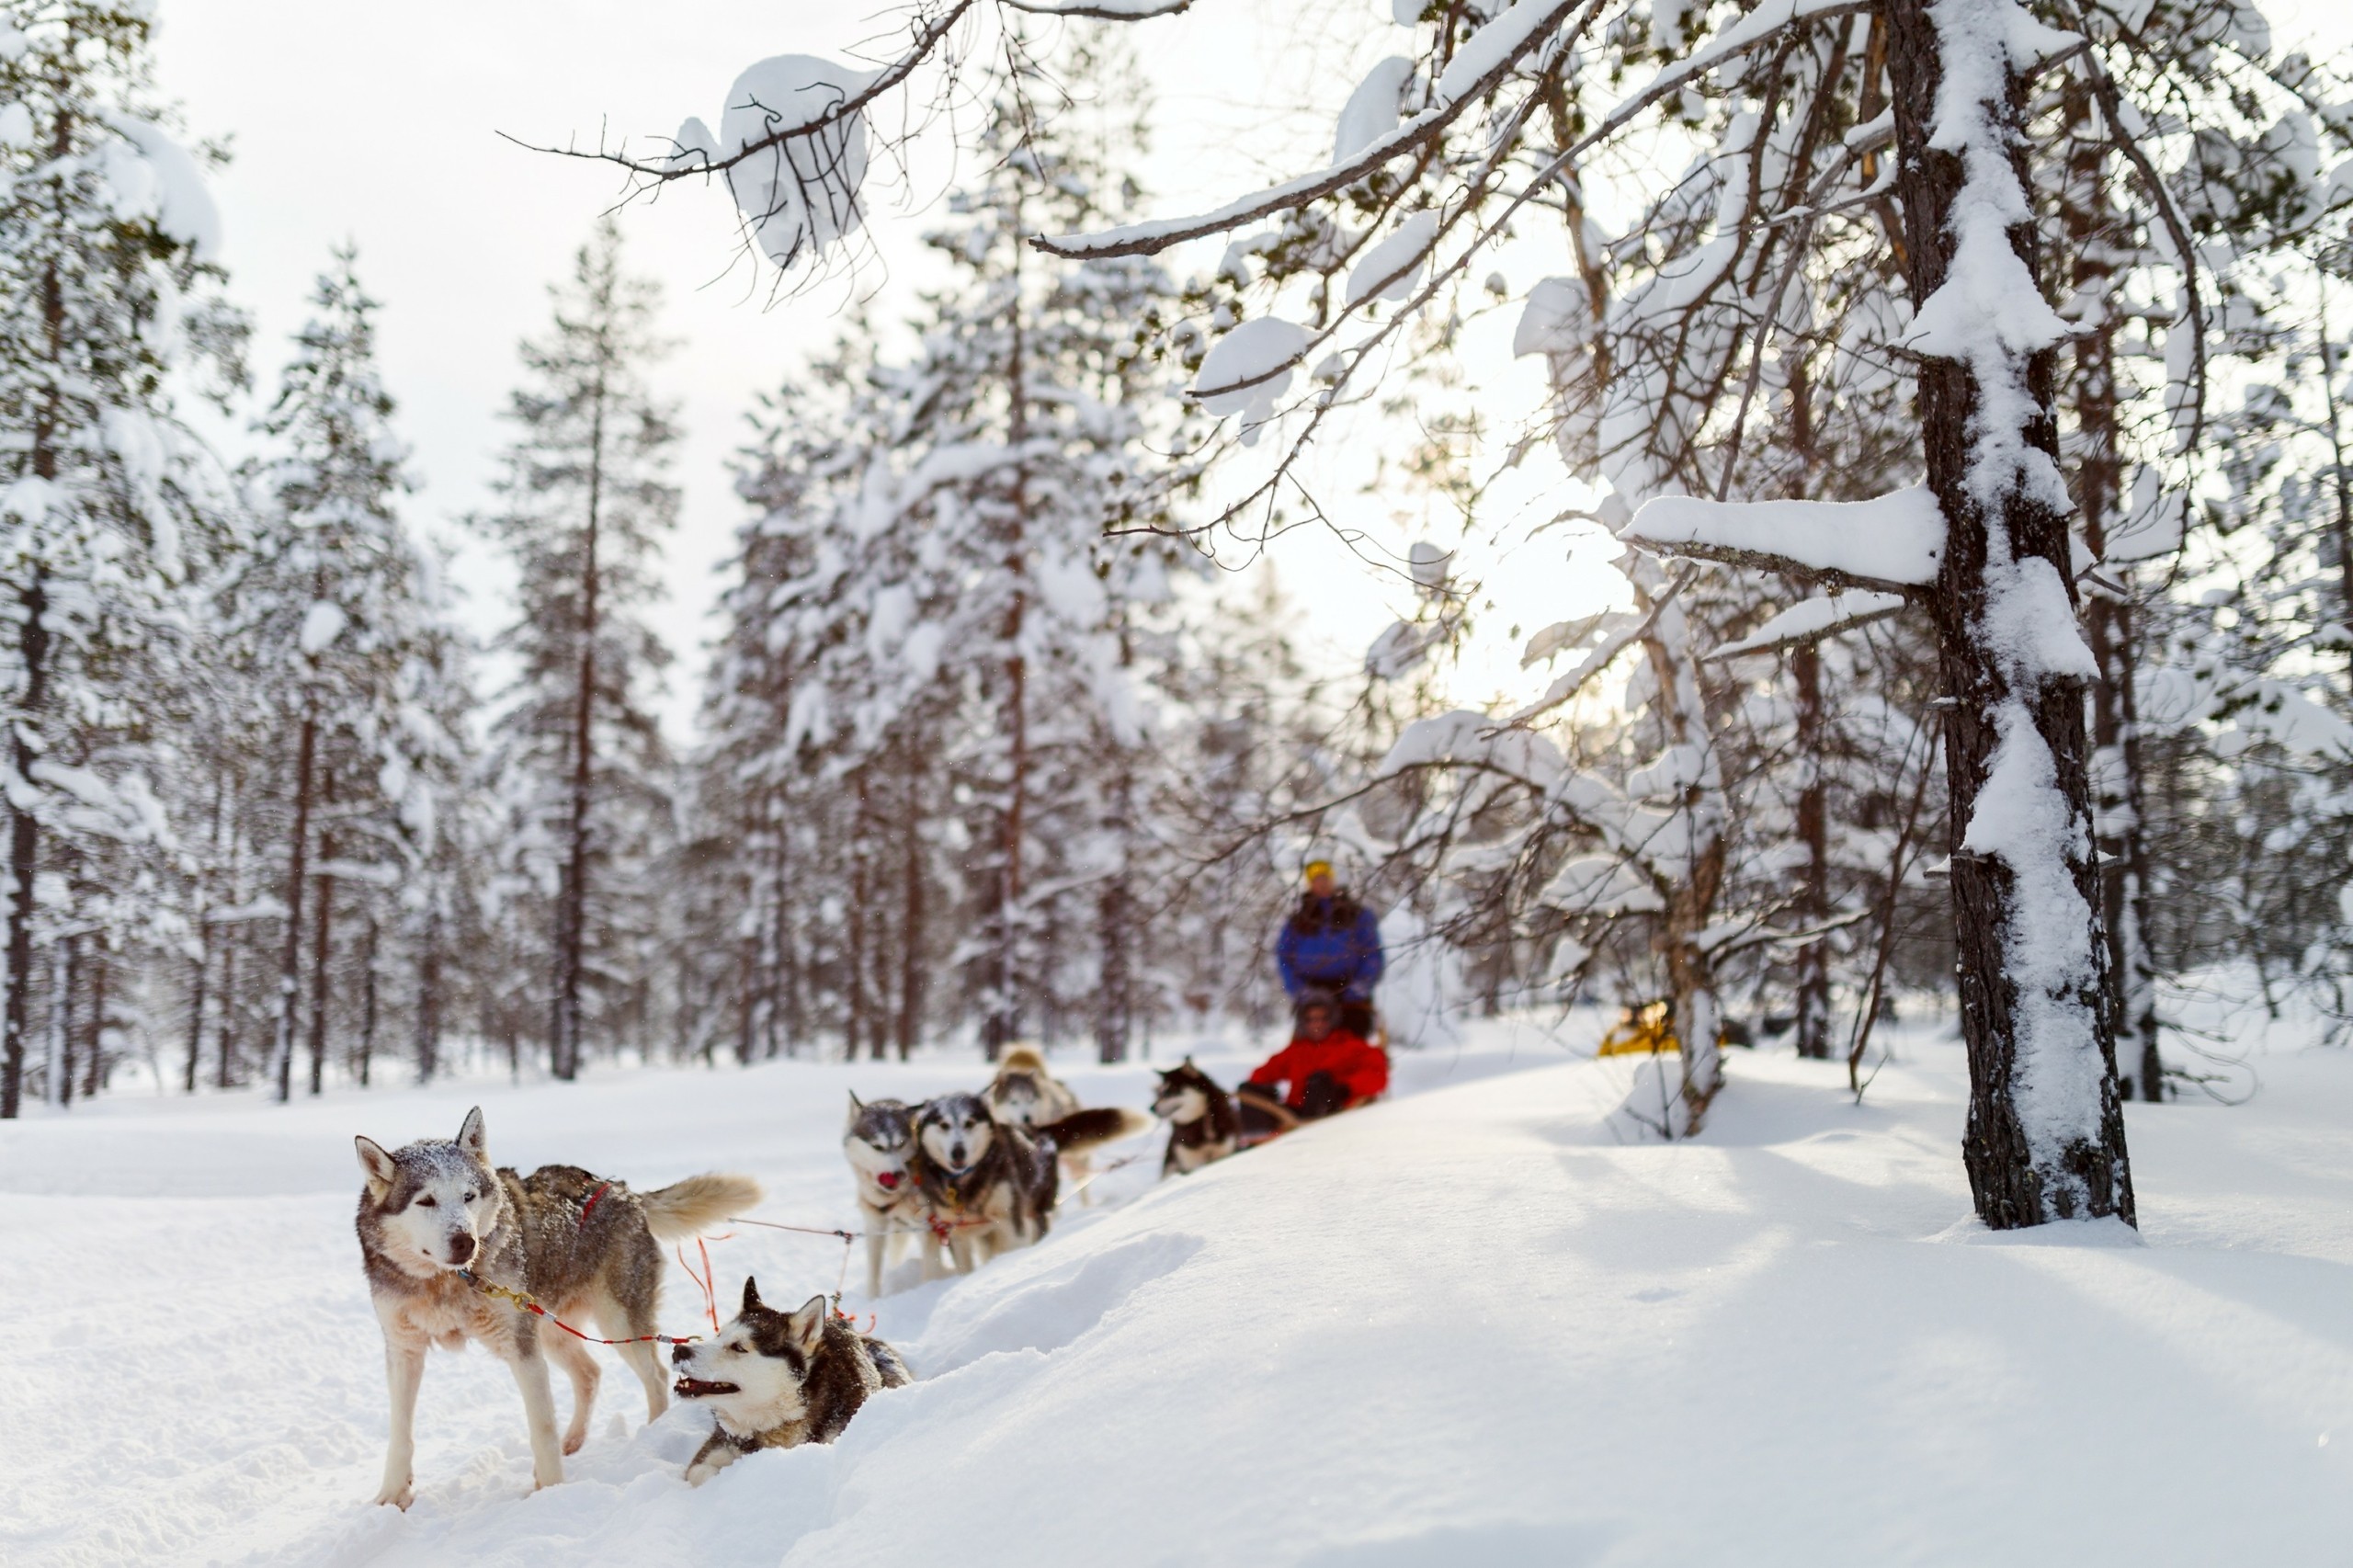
x: 1333, y: 943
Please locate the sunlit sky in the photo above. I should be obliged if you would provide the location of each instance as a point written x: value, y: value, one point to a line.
x: 383, y: 125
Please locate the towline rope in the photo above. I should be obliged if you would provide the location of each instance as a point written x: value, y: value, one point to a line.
x: 523, y: 1299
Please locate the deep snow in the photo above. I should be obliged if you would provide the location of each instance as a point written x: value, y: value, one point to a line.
x: 1464, y: 1326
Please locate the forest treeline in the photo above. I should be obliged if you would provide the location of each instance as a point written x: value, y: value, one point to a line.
x: 989, y: 747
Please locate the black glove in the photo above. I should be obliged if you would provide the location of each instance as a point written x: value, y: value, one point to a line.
x: 1321, y: 1095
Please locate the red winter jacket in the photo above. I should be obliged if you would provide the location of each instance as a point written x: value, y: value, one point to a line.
x: 1361, y: 1069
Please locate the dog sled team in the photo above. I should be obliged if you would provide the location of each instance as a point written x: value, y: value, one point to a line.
x: 455, y: 1249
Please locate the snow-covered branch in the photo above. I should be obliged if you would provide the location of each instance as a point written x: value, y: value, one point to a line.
x: 1892, y: 544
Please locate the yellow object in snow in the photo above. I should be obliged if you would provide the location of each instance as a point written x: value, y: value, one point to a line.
x: 1646, y: 1031
x: 1642, y: 1030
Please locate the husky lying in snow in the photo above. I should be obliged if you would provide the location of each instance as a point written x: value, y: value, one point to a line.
x: 878, y: 1143
x: 1202, y: 1122
x: 1024, y: 1094
x: 777, y: 1380
x: 582, y: 1247
x: 993, y: 1187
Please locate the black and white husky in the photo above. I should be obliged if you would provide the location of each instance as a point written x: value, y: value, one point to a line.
x: 990, y: 1188
x: 437, y: 1224
x: 777, y: 1380
x: 1202, y: 1122
x: 878, y: 1143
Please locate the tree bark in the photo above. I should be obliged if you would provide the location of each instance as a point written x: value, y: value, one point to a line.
x: 2062, y: 1155
x: 912, y: 899
x: 428, y: 998
x: 1814, y: 832
x: 321, y: 951
x: 368, y: 1002
x: 24, y: 842
x: 571, y: 920
x: 1004, y: 1020
x: 289, y: 966
x: 59, y: 1083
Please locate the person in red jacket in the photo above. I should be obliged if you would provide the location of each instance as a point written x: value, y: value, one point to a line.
x: 1323, y: 1070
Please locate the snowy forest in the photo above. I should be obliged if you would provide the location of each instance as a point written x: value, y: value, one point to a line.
x: 1952, y: 397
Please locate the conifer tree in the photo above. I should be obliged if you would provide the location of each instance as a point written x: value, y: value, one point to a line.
x: 108, y: 508
x: 586, y: 505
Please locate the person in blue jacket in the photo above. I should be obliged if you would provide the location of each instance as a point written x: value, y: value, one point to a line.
x: 1332, y: 943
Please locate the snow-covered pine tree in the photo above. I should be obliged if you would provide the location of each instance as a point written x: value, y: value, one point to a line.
x: 351, y: 655
x: 586, y: 502
x: 111, y: 508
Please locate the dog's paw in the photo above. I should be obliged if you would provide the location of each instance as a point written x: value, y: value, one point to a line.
x: 574, y: 1442
x: 399, y: 1499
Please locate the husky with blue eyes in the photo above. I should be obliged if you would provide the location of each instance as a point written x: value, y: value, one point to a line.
x: 437, y: 1225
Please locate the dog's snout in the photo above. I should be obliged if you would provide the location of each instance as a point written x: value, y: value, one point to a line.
x: 682, y: 1354
x: 462, y: 1248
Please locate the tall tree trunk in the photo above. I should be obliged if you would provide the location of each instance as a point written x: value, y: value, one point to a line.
x: 33, y: 649
x: 1814, y: 832
x: 428, y: 997
x: 1005, y: 1020
x: 24, y: 843
x: 322, y: 952
x: 298, y: 870
x: 913, y: 915
x: 572, y: 922
x: 202, y: 965
x: 2047, y: 1144
x: 368, y: 1002
x: 225, y: 1036
x: 59, y: 1082
x: 94, y: 1063
x: 2341, y: 473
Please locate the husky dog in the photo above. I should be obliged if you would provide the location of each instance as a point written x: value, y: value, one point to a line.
x: 437, y: 1224
x: 777, y: 1380
x: 990, y: 1187
x: 1202, y: 1123
x: 877, y: 1143
x: 1024, y: 1094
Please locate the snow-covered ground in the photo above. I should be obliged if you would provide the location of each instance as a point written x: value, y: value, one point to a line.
x: 1466, y: 1326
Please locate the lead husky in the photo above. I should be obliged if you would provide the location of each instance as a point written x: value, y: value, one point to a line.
x: 434, y: 1219
x: 877, y: 1143
x: 990, y: 1187
x: 777, y: 1380
x: 1202, y: 1122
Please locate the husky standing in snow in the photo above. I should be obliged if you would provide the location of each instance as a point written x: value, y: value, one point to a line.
x: 1024, y: 1094
x: 879, y: 1142
x: 777, y: 1380
x: 1202, y: 1122
x: 435, y: 1218
x: 993, y: 1187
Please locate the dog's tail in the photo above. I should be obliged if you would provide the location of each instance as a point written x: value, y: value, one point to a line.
x: 1022, y: 1058
x: 1092, y: 1127
x: 687, y: 1209
x: 888, y: 1363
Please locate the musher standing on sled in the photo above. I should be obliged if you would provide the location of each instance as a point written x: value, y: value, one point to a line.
x: 1332, y: 943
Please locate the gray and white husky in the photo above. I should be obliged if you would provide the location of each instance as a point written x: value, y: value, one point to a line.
x: 777, y: 1380
x: 991, y: 1187
x: 1024, y: 1093
x: 437, y: 1224
x: 877, y: 1143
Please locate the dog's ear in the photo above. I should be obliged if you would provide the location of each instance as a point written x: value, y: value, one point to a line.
x: 807, y: 1326
x: 473, y: 1139
x: 856, y: 1107
x: 377, y: 1166
x: 751, y: 1292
